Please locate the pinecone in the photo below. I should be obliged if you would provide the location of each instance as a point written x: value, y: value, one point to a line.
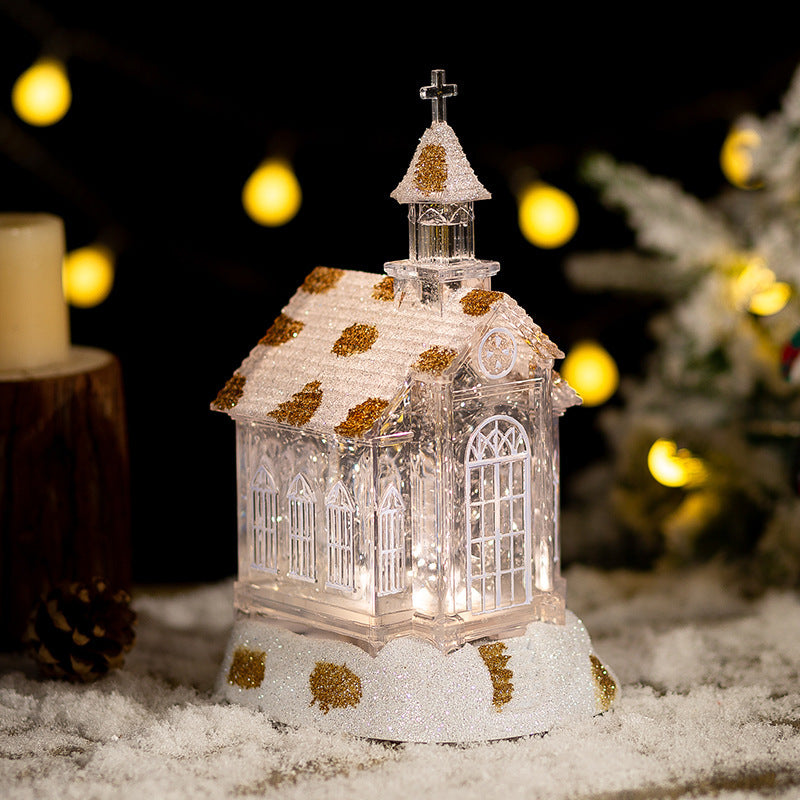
x: 80, y: 631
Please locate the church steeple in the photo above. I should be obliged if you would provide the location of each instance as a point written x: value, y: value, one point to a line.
x: 440, y: 188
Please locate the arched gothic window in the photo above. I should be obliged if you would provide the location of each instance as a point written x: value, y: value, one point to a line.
x: 391, y: 543
x: 340, y: 513
x: 498, y: 495
x: 302, y: 514
x: 263, y: 521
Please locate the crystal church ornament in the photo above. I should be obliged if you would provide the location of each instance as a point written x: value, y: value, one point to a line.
x: 398, y: 482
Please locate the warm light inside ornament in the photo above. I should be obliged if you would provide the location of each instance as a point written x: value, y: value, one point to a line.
x: 42, y: 94
x: 272, y: 194
x: 736, y: 157
x: 548, y: 217
x: 592, y: 372
x: 756, y: 289
x: 88, y: 275
x: 673, y: 466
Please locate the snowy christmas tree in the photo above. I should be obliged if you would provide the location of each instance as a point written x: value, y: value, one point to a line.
x: 716, y: 412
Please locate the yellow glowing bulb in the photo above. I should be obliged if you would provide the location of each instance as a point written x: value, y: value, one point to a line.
x: 42, y: 94
x: 548, y: 217
x: 770, y: 300
x: 671, y: 466
x: 736, y: 157
x: 591, y: 371
x: 88, y: 275
x: 272, y: 195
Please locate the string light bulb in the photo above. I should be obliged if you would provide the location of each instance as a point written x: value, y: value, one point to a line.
x: 673, y: 466
x: 272, y: 195
x: 548, y: 217
x: 591, y: 371
x: 88, y: 275
x: 736, y: 157
x: 42, y: 94
x: 756, y: 289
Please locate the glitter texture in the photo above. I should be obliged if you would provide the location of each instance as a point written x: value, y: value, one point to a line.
x: 230, y: 394
x: 384, y: 289
x: 435, y: 360
x: 478, y: 301
x: 334, y: 686
x: 357, y: 338
x: 247, y: 668
x: 605, y: 685
x: 299, y: 410
x: 362, y: 417
x: 281, y: 331
x: 322, y: 279
x: 430, y: 172
x: 495, y: 659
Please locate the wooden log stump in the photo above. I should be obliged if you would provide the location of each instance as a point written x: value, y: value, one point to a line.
x: 64, y: 482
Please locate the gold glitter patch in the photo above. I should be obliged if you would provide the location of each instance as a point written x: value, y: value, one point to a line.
x: 247, y: 668
x: 357, y: 338
x: 494, y: 657
x: 282, y: 330
x: 605, y: 688
x: 430, y: 172
x: 322, y: 279
x: 362, y: 417
x: 435, y: 360
x: 230, y: 394
x: 477, y: 302
x: 384, y: 289
x: 303, y: 405
x: 334, y: 686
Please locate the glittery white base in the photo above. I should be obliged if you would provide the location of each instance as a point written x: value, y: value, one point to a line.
x: 413, y: 692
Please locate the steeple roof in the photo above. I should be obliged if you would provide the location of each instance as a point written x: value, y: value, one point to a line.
x: 439, y: 171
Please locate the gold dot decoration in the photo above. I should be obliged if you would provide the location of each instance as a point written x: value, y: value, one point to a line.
x: 281, y: 331
x: 495, y: 658
x: 362, y: 417
x: 230, y: 394
x: 605, y: 687
x: 430, y: 172
x: 478, y: 302
x: 435, y: 360
x: 247, y: 668
x: 322, y: 279
x: 334, y: 686
x: 303, y: 405
x: 384, y: 289
x: 357, y: 338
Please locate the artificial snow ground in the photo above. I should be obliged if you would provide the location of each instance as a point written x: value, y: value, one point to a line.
x: 710, y: 707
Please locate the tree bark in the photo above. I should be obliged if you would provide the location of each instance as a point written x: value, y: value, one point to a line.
x: 64, y: 484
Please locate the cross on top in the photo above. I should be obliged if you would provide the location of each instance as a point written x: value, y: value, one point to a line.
x: 437, y: 93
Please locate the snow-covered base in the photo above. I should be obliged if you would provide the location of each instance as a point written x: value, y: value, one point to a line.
x: 413, y: 692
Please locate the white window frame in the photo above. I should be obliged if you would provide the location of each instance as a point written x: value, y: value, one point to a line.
x: 391, y: 543
x: 340, y: 517
x: 264, y: 521
x: 302, y: 529
x: 496, y: 450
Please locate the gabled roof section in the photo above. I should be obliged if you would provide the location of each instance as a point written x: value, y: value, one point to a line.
x: 343, y: 348
x: 439, y: 171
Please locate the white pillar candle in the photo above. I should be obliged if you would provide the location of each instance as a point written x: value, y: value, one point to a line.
x: 34, y: 322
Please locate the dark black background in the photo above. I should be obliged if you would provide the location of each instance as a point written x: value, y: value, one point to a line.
x: 174, y: 106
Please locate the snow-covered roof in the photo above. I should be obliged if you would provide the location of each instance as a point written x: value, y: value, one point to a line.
x: 439, y: 171
x: 342, y: 349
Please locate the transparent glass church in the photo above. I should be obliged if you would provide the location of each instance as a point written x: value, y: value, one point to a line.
x: 397, y: 439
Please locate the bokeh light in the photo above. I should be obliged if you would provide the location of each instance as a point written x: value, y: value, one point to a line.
x: 42, y: 94
x: 675, y: 467
x: 88, y: 275
x: 756, y: 289
x: 591, y: 371
x: 736, y: 157
x: 548, y: 217
x: 272, y: 194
